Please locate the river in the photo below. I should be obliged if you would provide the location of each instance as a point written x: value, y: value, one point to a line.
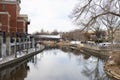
x: 56, y: 64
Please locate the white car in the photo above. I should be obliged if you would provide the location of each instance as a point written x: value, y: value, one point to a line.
x: 104, y: 44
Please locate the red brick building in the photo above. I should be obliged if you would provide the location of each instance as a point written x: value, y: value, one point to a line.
x: 16, y: 25
x: 4, y: 20
x: 11, y: 19
x: 22, y: 24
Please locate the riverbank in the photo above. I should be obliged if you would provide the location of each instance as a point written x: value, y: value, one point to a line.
x: 20, y: 56
x: 112, y: 66
x: 113, y: 71
x: 84, y: 48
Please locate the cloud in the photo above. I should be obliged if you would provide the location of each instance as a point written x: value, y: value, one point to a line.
x: 48, y: 14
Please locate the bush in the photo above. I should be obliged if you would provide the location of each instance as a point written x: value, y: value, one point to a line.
x: 116, y: 57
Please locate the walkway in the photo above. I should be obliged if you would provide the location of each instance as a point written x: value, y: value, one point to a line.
x: 20, y: 55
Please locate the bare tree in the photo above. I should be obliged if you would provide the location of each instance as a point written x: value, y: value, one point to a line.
x: 112, y: 24
x: 99, y: 33
x: 73, y: 35
x: 55, y: 32
x: 89, y: 12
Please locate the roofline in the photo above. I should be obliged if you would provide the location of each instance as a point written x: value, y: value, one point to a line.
x: 9, y: 2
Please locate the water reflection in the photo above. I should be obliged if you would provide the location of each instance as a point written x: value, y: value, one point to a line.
x: 14, y: 72
x: 56, y: 64
x: 59, y: 65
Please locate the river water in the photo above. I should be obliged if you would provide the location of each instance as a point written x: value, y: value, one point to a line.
x: 55, y: 64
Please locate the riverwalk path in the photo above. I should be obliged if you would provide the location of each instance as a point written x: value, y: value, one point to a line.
x: 6, y: 61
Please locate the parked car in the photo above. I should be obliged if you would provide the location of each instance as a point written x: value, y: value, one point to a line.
x: 104, y: 44
x: 91, y: 43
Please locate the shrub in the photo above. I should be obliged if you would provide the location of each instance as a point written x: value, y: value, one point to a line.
x: 116, y: 57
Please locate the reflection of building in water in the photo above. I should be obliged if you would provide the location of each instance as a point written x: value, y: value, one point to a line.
x: 93, y: 69
x: 17, y: 72
x: 34, y: 60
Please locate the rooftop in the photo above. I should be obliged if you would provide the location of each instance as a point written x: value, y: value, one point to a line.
x: 50, y: 36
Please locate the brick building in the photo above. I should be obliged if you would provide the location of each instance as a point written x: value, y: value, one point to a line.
x: 22, y: 24
x: 4, y: 19
x: 13, y: 28
x: 13, y: 22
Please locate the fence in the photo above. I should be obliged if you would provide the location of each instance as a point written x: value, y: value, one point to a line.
x: 105, y: 50
x: 111, y: 47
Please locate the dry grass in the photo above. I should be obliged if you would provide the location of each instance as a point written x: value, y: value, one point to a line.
x: 116, y: 57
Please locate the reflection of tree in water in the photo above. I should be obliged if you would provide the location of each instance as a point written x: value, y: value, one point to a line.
x: 76, y: 52
x: 66, y: 50
x: 70, y: 52
x: 94, y: 73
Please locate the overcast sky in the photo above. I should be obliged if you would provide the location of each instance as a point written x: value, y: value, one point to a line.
x: 49, y: 15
